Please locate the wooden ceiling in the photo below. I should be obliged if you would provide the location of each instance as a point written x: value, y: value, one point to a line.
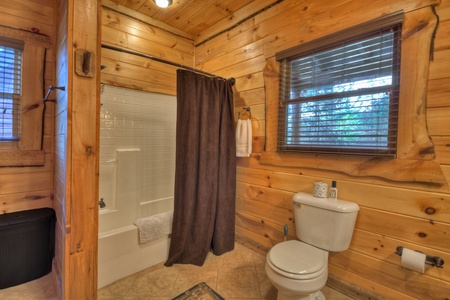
x: 191, y: 16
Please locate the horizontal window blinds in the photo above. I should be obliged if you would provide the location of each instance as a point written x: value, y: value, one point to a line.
x: 342, y: 97
x: 10, y: 88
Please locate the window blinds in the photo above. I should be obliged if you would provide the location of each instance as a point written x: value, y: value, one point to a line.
x: 342, y: 97
x: 10, y: 88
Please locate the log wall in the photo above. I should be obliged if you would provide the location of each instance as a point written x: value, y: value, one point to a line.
x: 393, y: 213
x: 76, y: 149
x: 123, y: 31
x: 414, y: 215
x: 61, y: 148
x: 24, y: 188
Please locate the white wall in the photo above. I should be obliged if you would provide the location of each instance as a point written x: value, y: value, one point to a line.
x: 131, y: 119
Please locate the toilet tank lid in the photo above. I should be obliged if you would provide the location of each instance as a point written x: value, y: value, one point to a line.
x: 326, y: 203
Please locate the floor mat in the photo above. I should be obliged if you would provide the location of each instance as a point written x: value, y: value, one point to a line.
x: 200, y: 291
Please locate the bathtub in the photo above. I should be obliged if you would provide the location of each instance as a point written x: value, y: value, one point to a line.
x: 119, y: 253
x: 137, y: 174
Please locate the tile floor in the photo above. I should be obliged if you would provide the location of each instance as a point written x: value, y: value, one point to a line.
x: 39, y: 289
x: 238, y: 274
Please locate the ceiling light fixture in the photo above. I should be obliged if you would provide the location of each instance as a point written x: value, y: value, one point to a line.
x: 163, y: 3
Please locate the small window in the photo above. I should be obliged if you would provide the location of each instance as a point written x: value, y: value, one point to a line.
x: 341, y: 96
x: 10, y: 89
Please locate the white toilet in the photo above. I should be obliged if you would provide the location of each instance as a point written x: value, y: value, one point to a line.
x: 299, y: 269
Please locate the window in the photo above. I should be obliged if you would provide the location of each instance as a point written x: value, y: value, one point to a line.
x: 415, y: 158
x: 340, y: 94
x: 22, y: 79
x: 10, y: 89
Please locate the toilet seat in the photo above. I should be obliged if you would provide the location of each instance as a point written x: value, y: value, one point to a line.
x: 297, y: 260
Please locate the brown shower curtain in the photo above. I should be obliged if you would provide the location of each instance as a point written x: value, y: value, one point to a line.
x: 205, y: 174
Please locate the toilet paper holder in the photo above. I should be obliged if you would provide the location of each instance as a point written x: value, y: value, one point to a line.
x: 434, y: 261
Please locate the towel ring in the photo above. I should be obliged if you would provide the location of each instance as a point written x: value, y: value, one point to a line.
x: 249, y: 112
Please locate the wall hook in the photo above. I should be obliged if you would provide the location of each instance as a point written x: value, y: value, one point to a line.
x: 50, y: 89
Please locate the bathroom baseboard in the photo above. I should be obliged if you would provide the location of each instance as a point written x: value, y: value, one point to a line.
x: 351, y: 290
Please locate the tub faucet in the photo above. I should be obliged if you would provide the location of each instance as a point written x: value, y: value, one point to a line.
x: 101, y: 203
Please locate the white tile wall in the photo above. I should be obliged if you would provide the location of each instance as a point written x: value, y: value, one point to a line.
x: 131, y: 119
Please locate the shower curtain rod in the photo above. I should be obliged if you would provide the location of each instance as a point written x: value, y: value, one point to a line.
x: 165, y: 62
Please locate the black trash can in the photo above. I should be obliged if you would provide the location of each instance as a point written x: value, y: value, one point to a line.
x: 27, y: 245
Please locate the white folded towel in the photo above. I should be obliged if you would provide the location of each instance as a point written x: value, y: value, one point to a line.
x: 154, y: 227
x: 243, y: 138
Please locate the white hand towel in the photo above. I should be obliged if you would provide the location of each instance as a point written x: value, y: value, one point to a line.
x: 243, y: 138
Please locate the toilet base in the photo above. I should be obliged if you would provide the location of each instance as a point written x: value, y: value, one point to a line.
x: 292, y: 289
x: 316, y: 296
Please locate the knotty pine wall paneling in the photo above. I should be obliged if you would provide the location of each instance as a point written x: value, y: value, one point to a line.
x: 130, y: 71
x: 393, y: 213
x: 76, y: 150
x: 414, y: 215
x: 24, y: 188
x: 62, y: 150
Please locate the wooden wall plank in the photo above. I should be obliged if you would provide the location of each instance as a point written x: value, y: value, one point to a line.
x: 438, y: 121
x: 391, y: 212
x: 266, y: 212
x: 249, y: 81
x: 25, y: 201
x: 265, y: 195
x: 254, y: 162
x: 253, y: 241
x: 295, y: 16
x: 419, y: 231
x: 28, y: 15
x: 438, y: 93
x: 249, y: 97
x: 440, y: 64
x: 150, y: 74
x: 237, y: 17
x: 128, y: 41
x: 442, y: 42
x: 123, y: 23
x: 131, y: 71
x: 26, y: 182
x: 272, y: 231
x: 119, y: 6
x: 442, y: 148
x: 397, y: 278
x: 383, y: 247
x: 400, y: 207
x: 61, y: 150
x: 83, y: 128
x: 415, y: 203
x: 356, y: 282
x: 240, y: 69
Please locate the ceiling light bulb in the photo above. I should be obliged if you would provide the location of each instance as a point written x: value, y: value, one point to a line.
x: 163, y: 3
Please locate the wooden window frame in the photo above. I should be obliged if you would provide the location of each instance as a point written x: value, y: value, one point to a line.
x: 415, y: 161
x: 28, y: 150
x: 392, y: 25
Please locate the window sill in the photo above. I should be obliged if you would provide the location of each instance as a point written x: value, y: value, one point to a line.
x: 415, y: 160
x: 24, y: 158
x: 405, y: 170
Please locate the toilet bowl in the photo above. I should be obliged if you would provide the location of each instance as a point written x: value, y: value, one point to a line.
x: 298, y: 270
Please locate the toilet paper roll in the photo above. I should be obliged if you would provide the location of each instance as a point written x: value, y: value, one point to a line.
x: 413, y: 260
x: 320, y: 190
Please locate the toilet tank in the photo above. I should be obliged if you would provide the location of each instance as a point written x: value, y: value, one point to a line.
x: 324, y: 222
